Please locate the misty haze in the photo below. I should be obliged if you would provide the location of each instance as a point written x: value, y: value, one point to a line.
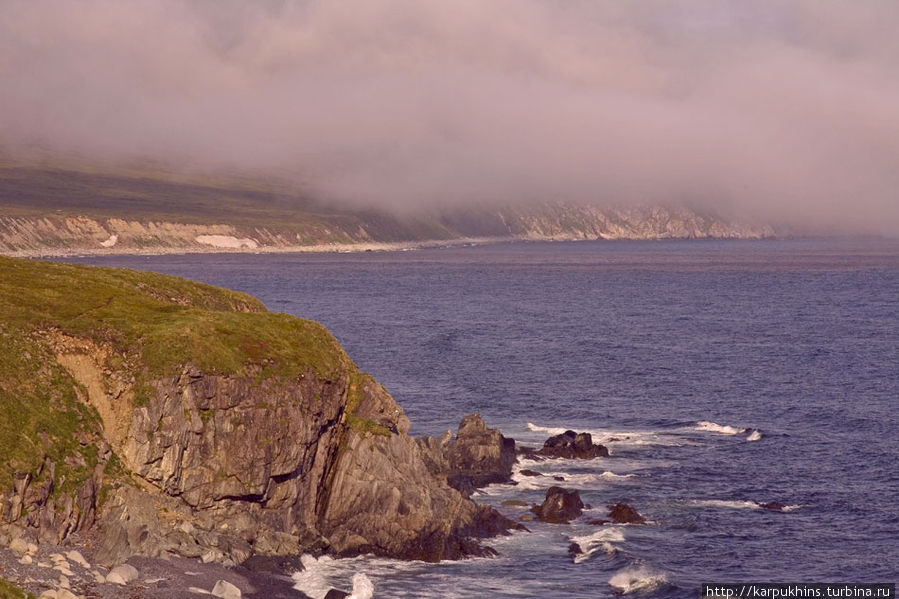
x: 781, y: 111
x: 449, y: 299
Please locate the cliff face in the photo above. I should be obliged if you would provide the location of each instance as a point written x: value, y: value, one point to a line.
x: 58, y: 235
x: 262, y: 439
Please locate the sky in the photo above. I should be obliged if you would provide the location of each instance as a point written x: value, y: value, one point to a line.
x: 782, y: 110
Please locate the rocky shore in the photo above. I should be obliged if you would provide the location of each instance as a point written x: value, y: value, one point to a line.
x: 166, y: 421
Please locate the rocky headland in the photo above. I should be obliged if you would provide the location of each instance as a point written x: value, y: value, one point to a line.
x: 146, y: 415
x: 150, y: 421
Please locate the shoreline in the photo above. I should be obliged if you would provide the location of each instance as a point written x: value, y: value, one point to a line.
x: 355, y: 248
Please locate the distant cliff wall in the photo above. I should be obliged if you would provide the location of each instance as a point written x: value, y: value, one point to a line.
x: 28, y: 235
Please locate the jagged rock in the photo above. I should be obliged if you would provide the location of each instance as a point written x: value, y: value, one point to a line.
x: 226, y: 590
x: 560, y: 506
x: 122, y: 575
x: 477, y: 457
x: 572, y: 445
x: 622, y: 513
x: 335, y: 594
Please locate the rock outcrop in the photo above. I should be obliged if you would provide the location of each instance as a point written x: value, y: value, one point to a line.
x: 478, y: 456
x: 560, y: 506
x: 254, y: 436
x: 622, y: 513
x: 573, y: 446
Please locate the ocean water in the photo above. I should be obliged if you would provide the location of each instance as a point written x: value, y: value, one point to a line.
x: 719, y: 373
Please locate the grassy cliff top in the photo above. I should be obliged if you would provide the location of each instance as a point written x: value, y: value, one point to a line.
x: 149, y: 326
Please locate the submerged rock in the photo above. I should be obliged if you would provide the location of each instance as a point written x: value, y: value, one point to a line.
x: 774, y: 506
x: 622, y: 513
x: 572, y: 445
x: 560, y: 506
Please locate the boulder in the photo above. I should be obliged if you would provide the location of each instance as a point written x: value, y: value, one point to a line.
x: 335, y: 594
x: 622, y: 513
x: 560, y: 506
x: 122, y: 574
x: 226, y: 590
x: 526, y: 472
x: 572, y: 445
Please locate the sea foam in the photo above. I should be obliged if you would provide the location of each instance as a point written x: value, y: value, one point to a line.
x: 603, y: 539
x: 721, y: 429
x: 631, y: 580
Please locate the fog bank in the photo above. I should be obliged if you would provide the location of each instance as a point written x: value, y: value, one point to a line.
x: 782, y: 110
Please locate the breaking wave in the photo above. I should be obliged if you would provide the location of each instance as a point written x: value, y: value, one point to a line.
x: 603, y: 539
x: 712, y: 427
x: 754, y: 435
x: 631, y: 580
x: 313, y: 581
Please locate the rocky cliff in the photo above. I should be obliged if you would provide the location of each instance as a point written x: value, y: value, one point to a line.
x: 177, y: 418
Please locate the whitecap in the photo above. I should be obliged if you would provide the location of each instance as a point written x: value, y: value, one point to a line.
x: 546, y: 429
x: 603, y: 539
x: 609, y: 475
x: 721, y: 429
x: 754, y: 435
x: 723, y: 503
x: 631, y: 580
x: 790, y: 508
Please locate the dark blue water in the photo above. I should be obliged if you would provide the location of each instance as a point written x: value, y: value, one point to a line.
x: 788, y: 351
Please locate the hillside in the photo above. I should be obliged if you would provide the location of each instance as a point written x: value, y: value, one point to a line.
x: 176, y: 418
x: 58, y: 209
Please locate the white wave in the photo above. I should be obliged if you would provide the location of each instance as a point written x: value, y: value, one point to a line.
x: 754, y: 435
x: 611, y: 438
x: 712, y: 427
x: 738, y: 505
x: 604, y: 539
x: 631, y: 580
x: 546, y: 429
x: 608, y: 475
x: 362, y: 587
x: 790, y: 508
x: 318, y: 574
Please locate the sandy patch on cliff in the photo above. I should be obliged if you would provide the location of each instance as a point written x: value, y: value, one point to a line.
x: 226, y: 241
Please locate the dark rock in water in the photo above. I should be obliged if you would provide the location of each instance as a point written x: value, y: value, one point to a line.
x: 529, y: 473
x: 573, y: 445
x: 558, y: 478
x: 774, y: 506
x: 560, y: 506
x: 622, y: 513
x: 335, y: 594
x: 597, y: 522
x: 477, y: 457
x: 574, y: 550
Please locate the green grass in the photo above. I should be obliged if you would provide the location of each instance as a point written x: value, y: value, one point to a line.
x: 152, y: 326
x: 10, y: 591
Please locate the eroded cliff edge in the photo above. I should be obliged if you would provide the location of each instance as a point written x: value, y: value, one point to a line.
x: 174, y: 417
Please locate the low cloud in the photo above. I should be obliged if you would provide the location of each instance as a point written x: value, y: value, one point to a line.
x: 784, y: 110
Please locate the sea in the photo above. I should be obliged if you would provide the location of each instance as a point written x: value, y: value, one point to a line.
x: 720, y: 375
